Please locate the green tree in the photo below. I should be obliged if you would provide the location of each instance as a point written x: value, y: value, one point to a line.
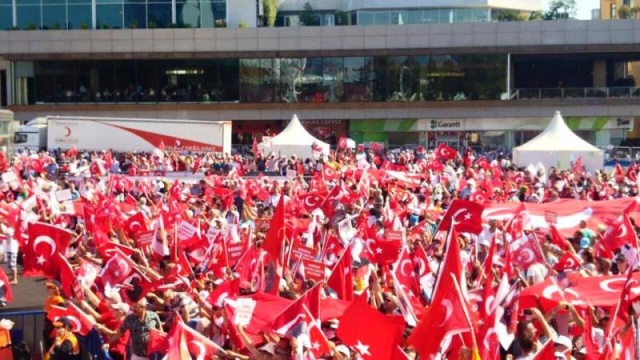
x: 561, y: 9
x: 625, y: 12
x: 308, y: 17
x: 509, y: 15
x: 270, y: 12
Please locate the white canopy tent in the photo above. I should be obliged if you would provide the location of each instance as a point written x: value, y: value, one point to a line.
x: 294, y: 140
x: 558, y: 146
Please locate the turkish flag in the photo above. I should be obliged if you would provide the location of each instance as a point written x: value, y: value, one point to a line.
x: 96, y: 169
x: 45, y: 241
x: 448, y: 312
x: 312, y: 200
x: 526, y: 251
x: 547, y: 352
x: 341, y: 279
x: 136, y: 223
x: 557, y: 238
x: 158, y: 342
x: 117, y: 269
x: 480, y: 197
x: 568, y: 261
x: 81, y: 323
x: 483, y: 163
x: 383, y: 251
x: 465, y: 215
x: 68, y: 282
x: 286, y: 319
x: 617, y: 236
x: 576, y: 168
x: 198, y: 345
x: 329, y: 173
x: 275, y: 236
x: 360, y: 328
x: 446, y: 153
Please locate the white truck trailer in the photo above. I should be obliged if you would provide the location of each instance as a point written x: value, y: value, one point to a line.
x: 123, y: 134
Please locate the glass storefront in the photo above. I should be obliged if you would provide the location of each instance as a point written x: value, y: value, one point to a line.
x: 284, y: 80
x: 423, y: 16
x: 112, y: 14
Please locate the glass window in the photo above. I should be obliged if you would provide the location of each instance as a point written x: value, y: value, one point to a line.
x: 213, y: 14
x: 333, y: 79
x: 291, y: 79
x: 365, y: 18
x: 81, y: 16
x: 398, y: 78
x: 54, y: 16
x: 268, y: 85
x: 382, y: 18
x: 109, y: 15
x: 415, y: 17
x: 29, y: 17
x: 159, y: 14
x: 147, y: 81
x: 399, y: 17
x: 188, y: 13
x: 249, y: 80
x: 430, y: 16
x: 27, y: 2
x: 377, y: 77
x: 6, y: 17
x: 310, y: 83
x: 45, y: 81
x: 104, y: 85
x: 135, y: 14
x: 355, y: 79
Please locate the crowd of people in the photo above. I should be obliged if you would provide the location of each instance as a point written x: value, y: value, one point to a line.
x: 357, y: 254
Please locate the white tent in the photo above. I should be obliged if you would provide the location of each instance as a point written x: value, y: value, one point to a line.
x: 558, y: 146
x: 294, y: 140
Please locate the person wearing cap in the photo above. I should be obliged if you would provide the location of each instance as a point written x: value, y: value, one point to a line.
x: 66, y: 345
x: 138, y: 323
x: 108, y: 323
x: 53, y: 299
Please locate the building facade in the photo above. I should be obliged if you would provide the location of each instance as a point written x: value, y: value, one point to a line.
x: 484, y: 84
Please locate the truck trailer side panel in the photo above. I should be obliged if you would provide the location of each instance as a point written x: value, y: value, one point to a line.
x: 98, y: 134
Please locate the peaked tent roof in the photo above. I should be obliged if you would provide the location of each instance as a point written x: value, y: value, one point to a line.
x: 295, y: 134
x: 557, y: 137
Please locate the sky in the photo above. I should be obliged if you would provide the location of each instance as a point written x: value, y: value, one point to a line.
x: 584, y: 7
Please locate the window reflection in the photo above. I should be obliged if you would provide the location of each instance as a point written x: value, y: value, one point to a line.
x: 272, y: 80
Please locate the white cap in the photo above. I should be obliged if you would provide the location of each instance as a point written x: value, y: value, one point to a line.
x: 564, y: 341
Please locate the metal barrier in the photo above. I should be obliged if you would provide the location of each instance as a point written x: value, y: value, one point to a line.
x: 576, y: 93
x: 28, y: 327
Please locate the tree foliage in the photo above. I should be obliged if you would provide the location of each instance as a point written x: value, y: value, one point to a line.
x: 561, y: 9
x: 626, y: 12
x: 270, y: 12
x: 509, y: 15
x: 308, y: 16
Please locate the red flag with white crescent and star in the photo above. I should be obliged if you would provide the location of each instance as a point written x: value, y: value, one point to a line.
x: 81, y: 323
x: 369, y: 341
x: 40, y: 254
x: 445, y: 152
x: 526, y: 251
x: 465, y: 215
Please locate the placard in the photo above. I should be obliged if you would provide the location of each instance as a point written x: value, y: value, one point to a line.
x: 186, y: 230
x: 313, y: 270
x: 244, y: 311
x: 63, y: 195
x: 291, y: 173
x: 299, y: 251
x: 145, y: 238
x: 9, y: 177
x: 234, y: 252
